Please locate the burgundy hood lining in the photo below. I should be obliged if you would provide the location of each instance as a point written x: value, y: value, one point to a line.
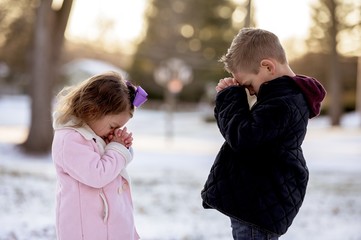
x: 313, y: 92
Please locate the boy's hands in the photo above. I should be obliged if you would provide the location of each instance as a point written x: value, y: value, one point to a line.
x: 121, y: 136
x: 226, y: 82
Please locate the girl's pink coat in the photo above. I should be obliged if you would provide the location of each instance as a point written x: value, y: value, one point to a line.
x: 93, y: 196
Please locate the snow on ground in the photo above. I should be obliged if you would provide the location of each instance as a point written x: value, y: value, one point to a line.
x: 168, y: 174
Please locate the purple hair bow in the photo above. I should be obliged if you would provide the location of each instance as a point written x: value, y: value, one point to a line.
x: 140, y: 95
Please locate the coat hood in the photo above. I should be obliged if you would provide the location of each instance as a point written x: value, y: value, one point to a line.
x: 313, y: 91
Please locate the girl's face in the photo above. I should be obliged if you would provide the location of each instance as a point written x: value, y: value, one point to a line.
x: 106, y: 125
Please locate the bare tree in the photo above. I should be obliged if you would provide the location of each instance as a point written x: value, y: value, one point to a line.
x: 48, y: 40
x: 332, y: 21
x: 358, y: 85
x: 247, y: 21
x: 335, y: 106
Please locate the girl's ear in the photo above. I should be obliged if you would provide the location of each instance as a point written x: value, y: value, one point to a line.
x: 268, y: 65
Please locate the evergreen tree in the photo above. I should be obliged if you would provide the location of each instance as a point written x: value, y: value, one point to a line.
x: 196, y: 31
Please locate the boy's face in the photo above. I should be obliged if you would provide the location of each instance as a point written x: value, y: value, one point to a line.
x: 253, y: 81
x: 250, y: 81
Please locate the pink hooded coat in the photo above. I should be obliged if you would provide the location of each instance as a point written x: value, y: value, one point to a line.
x: 93, y: 192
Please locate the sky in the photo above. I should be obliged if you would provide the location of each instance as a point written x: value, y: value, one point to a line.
x: 287, y: 19
x: 88, y: 15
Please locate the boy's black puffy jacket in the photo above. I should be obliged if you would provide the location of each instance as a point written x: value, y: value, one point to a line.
x: 260, y: 175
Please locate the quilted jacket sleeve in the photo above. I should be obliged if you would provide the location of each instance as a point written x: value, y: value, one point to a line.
x: 80, y: 161
x: 243, y: 128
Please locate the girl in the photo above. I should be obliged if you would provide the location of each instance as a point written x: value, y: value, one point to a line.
x: 91, y: 150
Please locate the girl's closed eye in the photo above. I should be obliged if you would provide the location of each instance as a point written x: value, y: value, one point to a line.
x: 113, y: 127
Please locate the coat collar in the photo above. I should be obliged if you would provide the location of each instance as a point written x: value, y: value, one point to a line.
x: 311, y: 89
x: 84, y: 130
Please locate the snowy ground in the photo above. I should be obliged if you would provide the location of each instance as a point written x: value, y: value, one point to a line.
x: 168, y: 175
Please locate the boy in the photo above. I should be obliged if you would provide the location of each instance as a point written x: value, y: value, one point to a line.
x: 259, y: 176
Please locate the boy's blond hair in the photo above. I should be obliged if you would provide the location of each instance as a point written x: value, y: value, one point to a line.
x: 249, y: 47
x: 94, y: 98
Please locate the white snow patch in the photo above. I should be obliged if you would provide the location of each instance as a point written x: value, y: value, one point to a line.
x: 168, y: 175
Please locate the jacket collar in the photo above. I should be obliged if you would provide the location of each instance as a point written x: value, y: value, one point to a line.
x: 311, y: 89
x: 277, y: 87
x: 84, y: 130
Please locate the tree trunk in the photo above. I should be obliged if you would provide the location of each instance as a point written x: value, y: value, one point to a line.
x: 247, y: 22
x: 335, y: 105
x: 358, y: 84
x: 48, y: 40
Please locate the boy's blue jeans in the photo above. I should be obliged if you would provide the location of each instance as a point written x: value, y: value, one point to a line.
x: 242, y: 231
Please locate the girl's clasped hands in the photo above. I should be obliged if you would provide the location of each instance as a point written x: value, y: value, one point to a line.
x: 121, y: 136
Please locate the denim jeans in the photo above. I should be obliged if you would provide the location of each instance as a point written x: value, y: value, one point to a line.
x: 243, y: 231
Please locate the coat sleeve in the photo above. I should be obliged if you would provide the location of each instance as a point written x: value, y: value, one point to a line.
x: 81, y: 162
x: 246, y: 129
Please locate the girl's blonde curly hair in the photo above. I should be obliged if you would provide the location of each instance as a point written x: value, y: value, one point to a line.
x: 94, y: 98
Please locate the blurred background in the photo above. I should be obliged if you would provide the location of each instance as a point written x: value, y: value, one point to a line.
x: 171, y: 48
